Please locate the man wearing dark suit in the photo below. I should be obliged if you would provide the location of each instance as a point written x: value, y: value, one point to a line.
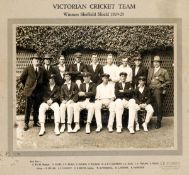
x: 138, y: 70
x: 86, y: 98
x: 47, y: 65
x: 95, y: 69
x: 158, y: 81
x: 124, y: 99
x: 77, y: 69
x: 60, y: 69
x: 34, y: 79
x: 50, y: 101
x: 143, y: 99
x: 68, y: 97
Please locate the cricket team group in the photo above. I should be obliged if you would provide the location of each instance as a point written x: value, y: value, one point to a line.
x: 68, y: 89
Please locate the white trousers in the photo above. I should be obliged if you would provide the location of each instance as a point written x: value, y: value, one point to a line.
x: 44, y: 107
x: 83, y: 105
x: 70, y: 111
x: 99, y: 104
x: 133, y: 108
x: 149, y: 109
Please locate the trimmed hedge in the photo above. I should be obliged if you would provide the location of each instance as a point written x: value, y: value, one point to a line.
x: 124, y: 40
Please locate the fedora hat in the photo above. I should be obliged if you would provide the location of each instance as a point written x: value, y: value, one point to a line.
x: 35, y: 56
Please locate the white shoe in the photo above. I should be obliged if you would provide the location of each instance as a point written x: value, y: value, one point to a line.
x: 56, y: 131
x: 42, y: 132
x: 118, y: 129
x: 62, y: 128
x: 77, y: 128
x: 98, y: 129
x: 145, y: 127
x: 87, y: 129
x: 69, y: 128
x: 137, y: 128
x: 110, y: 129
x: 131, y: 130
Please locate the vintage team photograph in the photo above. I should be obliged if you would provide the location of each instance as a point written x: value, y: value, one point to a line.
x: 93, y: 87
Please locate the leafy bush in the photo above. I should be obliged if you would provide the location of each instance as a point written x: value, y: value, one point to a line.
x: 124, y: 40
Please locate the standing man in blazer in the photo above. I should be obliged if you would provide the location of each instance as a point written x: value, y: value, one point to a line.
x: 60, y: 69
x: 34, y: 79
x: 158, y: 81
x: 86, y: 98
x: 77, y: 69
x: 138, y: 70
x: 95, y: 69
x: 68, y: 98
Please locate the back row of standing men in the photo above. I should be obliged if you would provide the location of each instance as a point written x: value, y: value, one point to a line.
x: 37, y: 86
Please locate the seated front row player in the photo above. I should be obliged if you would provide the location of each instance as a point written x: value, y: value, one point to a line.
x: 124, y: 94
x: 86, y: 98
x: 143, y: 98
x: 105, y: 97
x: 50, y: 101
x: 68, y: 98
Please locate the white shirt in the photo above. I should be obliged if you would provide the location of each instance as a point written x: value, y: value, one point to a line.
x: 47, y: 67
x: 156, y: 69
x: 68, y: 84
x: 94, y: 66
x: 126, y: 69
x: 123, y: 84
x: 78, y: 66
x: 62, y: 70
x: 52, y: 86
x: 136, y: 70
x: 112, y: 71
x: 105, y: 91
x: 36, y: 68
x: 141, y: 89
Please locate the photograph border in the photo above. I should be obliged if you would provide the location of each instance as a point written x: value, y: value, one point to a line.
x: 105, y: 21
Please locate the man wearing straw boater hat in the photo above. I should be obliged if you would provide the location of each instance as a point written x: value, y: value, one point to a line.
x: 158, y: 81
x: 34, y: 79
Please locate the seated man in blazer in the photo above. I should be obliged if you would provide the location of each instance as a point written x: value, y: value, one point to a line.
x: 158, y: 81
x: 143, y: 99
x: 95, y: 69
x: 50, y: 101
x: 86, y: 98
x: 68, y: 97
x: 34, y: 79
x: 124, y: 99
x: 77, y: 69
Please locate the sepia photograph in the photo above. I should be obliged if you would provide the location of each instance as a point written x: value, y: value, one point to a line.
x: 95, y: 87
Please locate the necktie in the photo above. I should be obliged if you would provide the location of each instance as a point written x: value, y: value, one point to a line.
x: 36, y: 71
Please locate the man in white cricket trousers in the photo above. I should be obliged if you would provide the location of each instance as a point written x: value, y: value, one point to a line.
x: 124, y: 99
x: 143, y: 100
x: 68, y: 97
x: 86, y: 98
x: 105, y: 97
x: 50, y: 101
